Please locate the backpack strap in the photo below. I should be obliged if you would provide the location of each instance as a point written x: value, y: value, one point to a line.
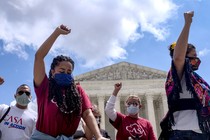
x: 5, y: 114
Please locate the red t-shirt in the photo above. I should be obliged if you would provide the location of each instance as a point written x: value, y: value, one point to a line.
x: 51, y: 120
x: 133, y: 127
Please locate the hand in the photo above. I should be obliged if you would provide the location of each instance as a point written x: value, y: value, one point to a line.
x: 77, y: 83
x: 117, y: 88
x: 62, y: 29
x: 1, y: 80
x: 188, y: 16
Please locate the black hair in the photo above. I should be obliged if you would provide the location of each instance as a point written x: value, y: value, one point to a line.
x: 23, y: 85
x: 70, y: 101
x: 189, y: 48
x: 171, y: 49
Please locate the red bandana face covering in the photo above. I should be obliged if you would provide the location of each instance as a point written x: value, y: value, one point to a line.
x: 194, y: 62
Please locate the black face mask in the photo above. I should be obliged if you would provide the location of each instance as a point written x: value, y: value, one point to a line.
x: 194, y: 63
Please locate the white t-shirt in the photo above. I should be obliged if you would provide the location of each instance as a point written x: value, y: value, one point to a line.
x: 18, y: 124
x: 186, y: 119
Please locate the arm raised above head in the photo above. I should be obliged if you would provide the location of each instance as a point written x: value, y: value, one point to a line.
x: 182, y: 44
x: 117, y: 88
x: 39, y: 66
x: 110, y: 105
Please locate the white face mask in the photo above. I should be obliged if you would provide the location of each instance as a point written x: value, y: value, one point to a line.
x: 23, y: 99
x: 133, y: 110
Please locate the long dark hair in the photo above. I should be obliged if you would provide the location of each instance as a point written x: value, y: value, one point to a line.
x: 68, y: 98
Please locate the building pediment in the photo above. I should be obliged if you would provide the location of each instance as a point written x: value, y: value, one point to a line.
x: 122, y: 71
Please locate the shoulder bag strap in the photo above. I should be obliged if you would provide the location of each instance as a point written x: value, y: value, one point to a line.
x: 5, y: 114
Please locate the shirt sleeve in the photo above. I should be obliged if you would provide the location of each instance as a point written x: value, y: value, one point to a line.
x: 42, y: 90
x: 3, y: 109
x: 110, y: 110
x: 86, y: 103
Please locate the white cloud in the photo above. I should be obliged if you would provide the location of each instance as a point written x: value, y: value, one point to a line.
x: 203, y: 52
x: 101, y: 30
x: 15, y: 47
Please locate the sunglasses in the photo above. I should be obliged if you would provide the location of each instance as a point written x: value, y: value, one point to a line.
x: 26, y: 92
x: 132, y: 103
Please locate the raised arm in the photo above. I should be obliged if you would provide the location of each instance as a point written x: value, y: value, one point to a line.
x: 39, y: 66
x: 109, y: 109
x: 182, y: 44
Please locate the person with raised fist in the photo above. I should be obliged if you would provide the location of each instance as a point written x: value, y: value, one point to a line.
x: 187, y: 93
x: 130, y: 126
x: 61, y: 102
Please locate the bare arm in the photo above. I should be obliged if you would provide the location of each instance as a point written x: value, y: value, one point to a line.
x: 39, y: 66
x: 88, y: 133
x: 182, y: 44
x: 92, y: 124
x: 117, y: 88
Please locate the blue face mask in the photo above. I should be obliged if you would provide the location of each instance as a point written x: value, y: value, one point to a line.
x: 63, y: 79
x: 132, y: 110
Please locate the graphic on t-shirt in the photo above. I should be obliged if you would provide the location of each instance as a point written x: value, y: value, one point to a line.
x: 14, y: 122
x: 135, y: 130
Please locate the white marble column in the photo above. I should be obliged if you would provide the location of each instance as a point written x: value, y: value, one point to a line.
x: 117, y: 107
x: 151, y: 112
x: 117, y: 104
x: 165, y: 104
x: 101, y: 107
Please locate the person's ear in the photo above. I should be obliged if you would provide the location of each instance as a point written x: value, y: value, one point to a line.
x: 140, y: 106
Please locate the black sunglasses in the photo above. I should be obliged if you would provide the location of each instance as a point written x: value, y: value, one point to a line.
x: 26, y: 92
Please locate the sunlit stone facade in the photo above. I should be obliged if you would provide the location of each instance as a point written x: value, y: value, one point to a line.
x: 145, y: 82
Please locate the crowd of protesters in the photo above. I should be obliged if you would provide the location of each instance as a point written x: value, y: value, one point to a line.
x: 65, y: 112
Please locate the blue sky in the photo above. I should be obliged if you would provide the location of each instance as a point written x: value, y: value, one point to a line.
x: 103, y: 33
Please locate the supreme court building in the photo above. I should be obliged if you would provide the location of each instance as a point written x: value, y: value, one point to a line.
x: 147, y: 83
